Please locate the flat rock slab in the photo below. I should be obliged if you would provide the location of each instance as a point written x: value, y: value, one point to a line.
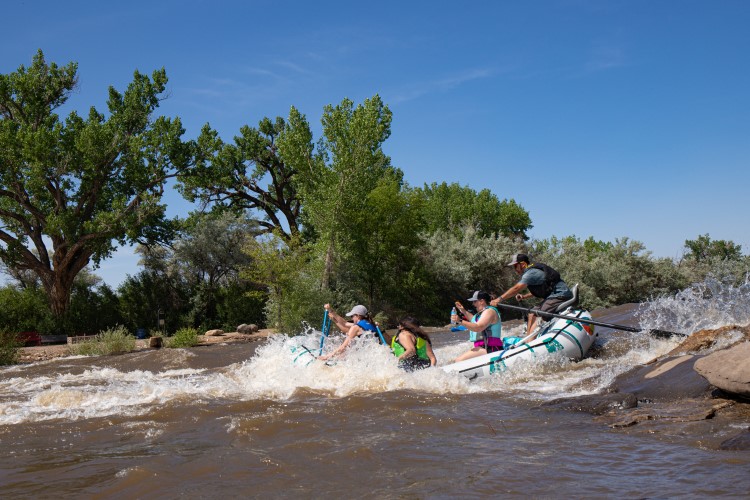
x: 687, y: 410
x: 595, y: 404
x: 668, y: 379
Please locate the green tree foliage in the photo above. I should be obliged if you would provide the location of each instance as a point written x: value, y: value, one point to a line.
x: 144, y: 295
x: 93, y: 307
x: 451, y: 205
x: 722, y: 259
x: 9, y: 345
x: 348, y: 165
x: 607, y: 273
x: 209, y: 254
x: 24, y: 278
x: 239, y: 302
x: 24, y: 309
x: 461, y: 260
x: 81, y: 185
x: 251, y: 174
x: 704, y: 248
x: 194, y: 283
x: 382, y: 268
x: 290, y: 275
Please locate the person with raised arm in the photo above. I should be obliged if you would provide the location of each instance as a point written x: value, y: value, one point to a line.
x: 485, y: 327
x: 541, y: 281
x: 360, y: 323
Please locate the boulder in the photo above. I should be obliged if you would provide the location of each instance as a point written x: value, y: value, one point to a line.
x: 707, y: 339
x: 728, y: 369
x: 247, y: 329
x: 214, y: 333
x: 668, y: 379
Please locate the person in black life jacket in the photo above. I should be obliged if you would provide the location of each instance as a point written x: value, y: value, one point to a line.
x: 541, y: 281
x: 412, y: 346
x: 360, y: 323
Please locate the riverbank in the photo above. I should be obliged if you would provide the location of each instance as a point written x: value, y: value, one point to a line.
x: 46, y: 352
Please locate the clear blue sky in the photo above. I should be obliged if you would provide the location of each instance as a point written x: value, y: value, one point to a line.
x: 601, y: 118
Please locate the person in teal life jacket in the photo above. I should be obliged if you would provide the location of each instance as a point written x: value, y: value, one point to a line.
x: 541, y: 281
x: 484, y: 327
x: 412, y: 346
x: 360, y: 323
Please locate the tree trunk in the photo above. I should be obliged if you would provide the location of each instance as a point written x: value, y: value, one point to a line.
x: 328, y: 270
x: 58, y: 281
x: 58, y: 294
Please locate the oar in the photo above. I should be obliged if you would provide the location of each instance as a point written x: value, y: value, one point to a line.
x: 381, y: 335
x: 655, y: 333
x: 325, y: 329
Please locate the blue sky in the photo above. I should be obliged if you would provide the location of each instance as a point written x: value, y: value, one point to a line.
x: 601, y: 118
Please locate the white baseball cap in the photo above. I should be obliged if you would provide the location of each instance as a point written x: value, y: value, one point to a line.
x: 359, y: 310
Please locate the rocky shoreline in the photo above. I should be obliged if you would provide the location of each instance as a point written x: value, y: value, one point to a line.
x: 697, y: 393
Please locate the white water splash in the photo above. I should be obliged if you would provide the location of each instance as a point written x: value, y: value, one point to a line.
x: 271, y: 373
x: 709, y: 304
x: 365, y: 366
x: 98, y: 392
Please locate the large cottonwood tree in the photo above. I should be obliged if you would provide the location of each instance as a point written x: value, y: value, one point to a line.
x: 250, y: 174
x: 72, y: 189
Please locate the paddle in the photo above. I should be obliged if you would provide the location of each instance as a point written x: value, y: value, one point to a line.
x: 325, y: 329
x: 381, y: 335
x: 655, y: 333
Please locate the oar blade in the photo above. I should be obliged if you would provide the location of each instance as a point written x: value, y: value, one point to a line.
x: 665, y: 334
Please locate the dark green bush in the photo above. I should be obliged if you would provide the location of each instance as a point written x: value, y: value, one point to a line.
x: 9, y: 345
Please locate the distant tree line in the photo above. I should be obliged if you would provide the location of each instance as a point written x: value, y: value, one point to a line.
x: 284, y: 221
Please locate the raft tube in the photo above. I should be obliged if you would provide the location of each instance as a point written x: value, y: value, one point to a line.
x: 563, y: 337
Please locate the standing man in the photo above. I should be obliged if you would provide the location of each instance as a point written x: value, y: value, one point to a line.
x: 541, y: 281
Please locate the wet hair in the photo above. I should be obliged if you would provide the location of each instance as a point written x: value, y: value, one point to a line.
x: 411, y: 324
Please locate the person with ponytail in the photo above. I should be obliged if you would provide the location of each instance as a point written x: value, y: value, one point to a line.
x: 412, y: 345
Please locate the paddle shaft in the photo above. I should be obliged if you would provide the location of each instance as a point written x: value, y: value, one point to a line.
x: 656, y: 333
x: 324, y: 330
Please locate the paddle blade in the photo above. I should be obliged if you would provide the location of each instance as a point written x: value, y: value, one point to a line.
x: 664, y: 334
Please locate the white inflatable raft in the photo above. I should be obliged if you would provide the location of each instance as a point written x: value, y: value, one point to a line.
x: 560, y: 336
